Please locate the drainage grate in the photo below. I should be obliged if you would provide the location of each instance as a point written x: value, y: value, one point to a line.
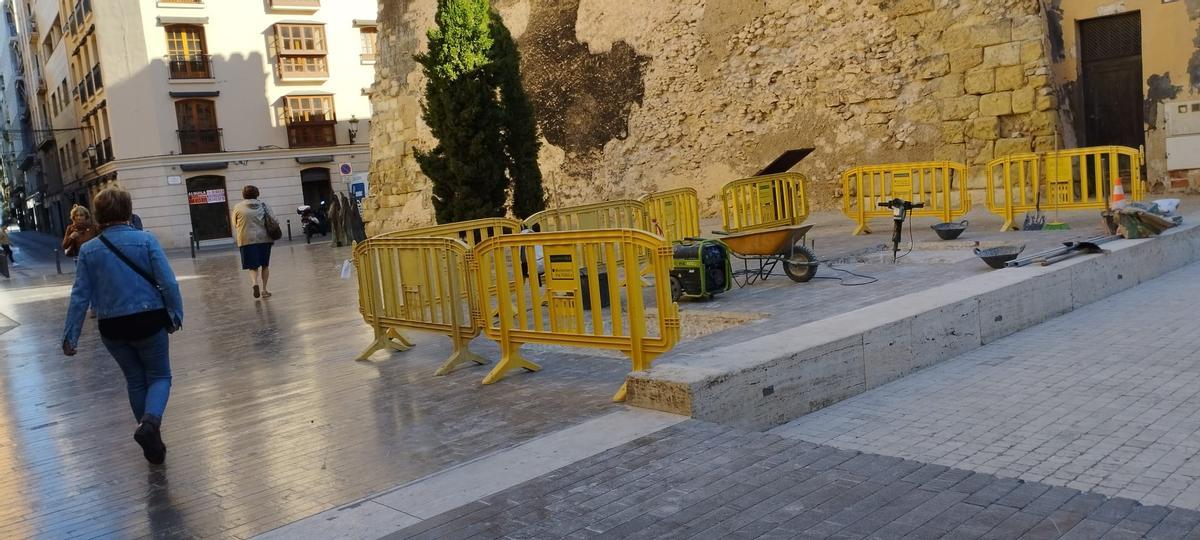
x: 1118, y: 36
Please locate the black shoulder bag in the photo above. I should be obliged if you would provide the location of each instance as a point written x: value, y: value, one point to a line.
x: 168, y: 323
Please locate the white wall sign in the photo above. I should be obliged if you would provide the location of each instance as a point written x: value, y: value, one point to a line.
x: 174, y: 180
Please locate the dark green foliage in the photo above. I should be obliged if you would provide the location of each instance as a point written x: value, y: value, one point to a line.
x: 480, y: 115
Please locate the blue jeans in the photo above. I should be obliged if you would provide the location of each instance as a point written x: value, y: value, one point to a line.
x: 147, y: 368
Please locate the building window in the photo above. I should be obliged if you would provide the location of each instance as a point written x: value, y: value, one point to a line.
x: 198, y: 131
x: 370, y: 40
x: 188, y: 52
x: 310, y: 121
x: 302, y: 51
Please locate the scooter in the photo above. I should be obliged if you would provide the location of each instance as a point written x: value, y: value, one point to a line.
x: 900, y: 209
x: 309, y: 222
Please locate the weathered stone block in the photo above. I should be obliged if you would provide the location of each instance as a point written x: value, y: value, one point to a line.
x: 881, y: 105
x: 1029, y: 27
x: 997, y: 104
x: 912, y: 7
x: 908, y: 26
x: 957, y: 38
x: 1023, y: 100
x: 1006, y: 54
x: 985, y: 128
x: 982, y: 153
x: 980, y: 81
x: 964, y: 59
x: 947, y: 87
x: 1044, y: 144
x: 924, y: 112
x: 1032, y: 51
x: 934, y: 66
x: 1017, y: 145
x: 951, y: 152
x: 1043, y: 122
x: 959, y: 108
x: 1009, y: 78
x: 991, y: 34
x: 953, y: 132
x: 876, y: 118
x: 1045, y: 102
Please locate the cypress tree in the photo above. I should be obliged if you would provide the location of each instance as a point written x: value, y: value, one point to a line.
x: 466, y: 167
x: 479, y: 112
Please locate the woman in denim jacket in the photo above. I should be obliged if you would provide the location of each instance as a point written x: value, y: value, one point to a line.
x: 135, y: 315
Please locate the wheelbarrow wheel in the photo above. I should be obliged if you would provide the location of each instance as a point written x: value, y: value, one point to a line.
x: 676, y: 289
x: 802, y: 267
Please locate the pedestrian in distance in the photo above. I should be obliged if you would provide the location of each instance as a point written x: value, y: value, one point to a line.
x: 6, y: 243
x: 251, y: 218
x: 81, y: 229
x: 336, y: 222
x: 124, y: 276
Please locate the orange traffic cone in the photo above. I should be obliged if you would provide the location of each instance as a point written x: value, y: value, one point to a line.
x: 1118, y: 194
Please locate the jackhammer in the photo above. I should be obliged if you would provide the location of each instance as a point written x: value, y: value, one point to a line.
x: 900, y: 209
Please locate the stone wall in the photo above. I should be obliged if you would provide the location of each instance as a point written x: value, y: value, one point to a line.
x: 634, y: 97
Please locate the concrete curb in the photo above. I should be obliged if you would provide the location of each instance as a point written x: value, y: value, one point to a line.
x: 772, y: 379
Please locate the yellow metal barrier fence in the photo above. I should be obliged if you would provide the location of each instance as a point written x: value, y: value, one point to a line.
x: 1078, y: 179
x: 419, y: 283
x: 620, y: 214
x: 469, y: 232
x: 764, y: 202
x: 583, y: 271
x: 941, y: 185
x: 674, y: 214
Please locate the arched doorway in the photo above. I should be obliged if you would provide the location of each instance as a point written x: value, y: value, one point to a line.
x: 209, y: 207
x: 317, y: 187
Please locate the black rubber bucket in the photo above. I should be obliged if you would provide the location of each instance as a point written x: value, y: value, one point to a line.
x: 949, y: 231
x: 997, y: 256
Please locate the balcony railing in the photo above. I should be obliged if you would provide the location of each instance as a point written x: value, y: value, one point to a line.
x: 200, y: 141
x: 196, y: 66
x: 312, y: 135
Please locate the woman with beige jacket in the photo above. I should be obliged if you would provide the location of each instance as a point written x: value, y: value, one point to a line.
x: 249, y: 221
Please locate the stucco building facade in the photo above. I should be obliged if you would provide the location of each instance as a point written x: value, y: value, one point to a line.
x: 184, y: 102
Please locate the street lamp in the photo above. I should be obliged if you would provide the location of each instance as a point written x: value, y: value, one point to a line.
x: 90, y: 154
x: 353, y: 131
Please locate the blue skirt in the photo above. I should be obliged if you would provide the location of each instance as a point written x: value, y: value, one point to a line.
x: 255, y: 256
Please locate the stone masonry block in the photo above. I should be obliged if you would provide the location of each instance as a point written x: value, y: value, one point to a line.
x: 945, y: 332
x: 1028, y: 27
x: 933, y: 67
x: 1006, y: 54
x: 980, y: 81
x: 1023, y: 100
x: 1016, y: 145
x: 1032, y: 51
x: 888, y: 353
x: 924, y: 112
x: 991, y: 34
x: 951, y: 152
x: 953, y: 132
x: 1028, y: 302
x: 965, y: 59
x: 982, y: 153
x: 986, y: 128
x: 948, y: 87
x: 959, y: 108
x: 957, y: 38
x: 997, y: 104
x: 1045, y: 102
x: 1009, y: 78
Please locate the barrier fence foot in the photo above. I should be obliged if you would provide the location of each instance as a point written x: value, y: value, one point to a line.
x: 510, y: 361
x: 389, y: 339
x: 1008, y: 226
x: 619, y: 397
x: 861, y: 230
x: 458, y: 358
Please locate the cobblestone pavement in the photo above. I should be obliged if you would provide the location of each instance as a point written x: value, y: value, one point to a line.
x: 270, y: 419
x: 698, y: 480
x: 1104, y: 399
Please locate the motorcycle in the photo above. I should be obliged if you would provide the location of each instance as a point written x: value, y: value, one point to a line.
x: 310, y: 222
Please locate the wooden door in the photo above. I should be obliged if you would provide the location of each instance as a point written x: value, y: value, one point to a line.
x: 1111, y: 54
x: 198, y: 132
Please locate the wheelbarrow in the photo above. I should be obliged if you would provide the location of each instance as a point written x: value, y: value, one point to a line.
x: 768, y: 248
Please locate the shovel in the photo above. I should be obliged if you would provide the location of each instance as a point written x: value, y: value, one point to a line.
x: 1035, y: 221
